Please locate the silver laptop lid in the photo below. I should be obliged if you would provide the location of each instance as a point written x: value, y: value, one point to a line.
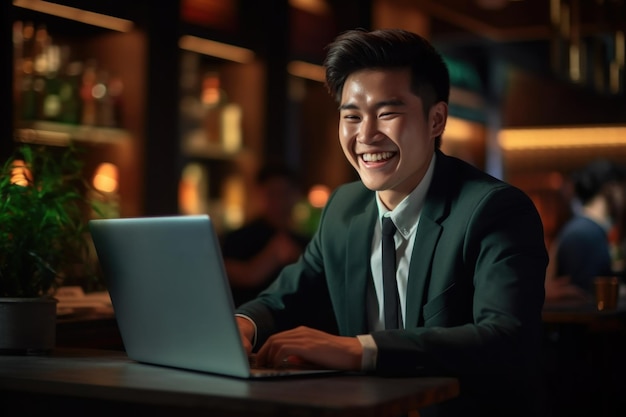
x: 170, y: 292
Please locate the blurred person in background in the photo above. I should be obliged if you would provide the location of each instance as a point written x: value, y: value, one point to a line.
x: 255, y: 253
x: 582, y: 248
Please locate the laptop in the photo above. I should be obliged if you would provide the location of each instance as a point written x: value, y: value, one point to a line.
x: 171, y: 296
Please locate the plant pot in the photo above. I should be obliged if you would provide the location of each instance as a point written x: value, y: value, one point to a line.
x: 27, y: 325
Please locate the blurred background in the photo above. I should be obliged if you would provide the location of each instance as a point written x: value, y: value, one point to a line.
x: 179, y: 102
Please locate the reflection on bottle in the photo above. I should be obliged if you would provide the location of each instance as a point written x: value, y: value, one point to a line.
x: 233, y: 200
x: 193, y: 189
x: 231, y: 127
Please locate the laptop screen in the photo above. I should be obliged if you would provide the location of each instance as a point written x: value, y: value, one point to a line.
x: 170, y: 292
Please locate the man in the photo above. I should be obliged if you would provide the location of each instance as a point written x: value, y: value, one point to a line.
x: 470, y: 250
x: 582, y: 248
x: 255, y: 253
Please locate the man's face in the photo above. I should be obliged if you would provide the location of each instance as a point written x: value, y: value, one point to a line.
x: 384, y: 133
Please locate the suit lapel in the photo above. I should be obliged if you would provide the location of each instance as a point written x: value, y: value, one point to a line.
x: 436, y: 207
x: 428, y: 234
x: 358, y: 254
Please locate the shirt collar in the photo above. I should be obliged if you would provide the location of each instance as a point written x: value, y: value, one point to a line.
x: 406, y: 214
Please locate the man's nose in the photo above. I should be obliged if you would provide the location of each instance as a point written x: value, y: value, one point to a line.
x: 368, y: 131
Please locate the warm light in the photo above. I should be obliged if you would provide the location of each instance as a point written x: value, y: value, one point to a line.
x: 193, y: 189
x: 306, y: 70
x: 234, y: 199
x: 562, y: 137
x: 20, y: 174
x: 211, y: 90
x: 95, y: 19
x: 216, y: 49
x: 231, y: 133
x: 565, y: 21
x: 614, y: 77
x: 555, y: 12
x: 460, y: 130
x: 319, y: 7
x: 574, y: 62
x: 318, y: 195
x: 106, y: 178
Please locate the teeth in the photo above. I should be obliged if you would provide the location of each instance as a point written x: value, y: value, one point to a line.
x: 375, y: 157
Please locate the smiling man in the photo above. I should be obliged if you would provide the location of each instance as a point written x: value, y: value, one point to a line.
x: 470, y: 259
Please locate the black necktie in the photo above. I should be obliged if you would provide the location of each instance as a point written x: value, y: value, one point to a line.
x: 390, y: 286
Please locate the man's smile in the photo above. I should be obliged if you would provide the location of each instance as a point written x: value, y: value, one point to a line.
x: 377, y: 156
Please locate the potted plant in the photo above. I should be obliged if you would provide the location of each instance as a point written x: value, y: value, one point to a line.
x: 43, y: 234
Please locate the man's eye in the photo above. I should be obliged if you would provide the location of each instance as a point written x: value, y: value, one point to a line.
x: 351, y: 117
x: 386, y: 115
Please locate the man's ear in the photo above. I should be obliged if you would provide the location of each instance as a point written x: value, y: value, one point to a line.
x: 438, y: 118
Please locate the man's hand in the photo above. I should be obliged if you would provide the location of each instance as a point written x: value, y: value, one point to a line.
x: 310, y: 346
x: 246, y: 330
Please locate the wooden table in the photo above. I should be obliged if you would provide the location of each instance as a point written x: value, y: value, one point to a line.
x: 99, y: 383
x: 584, y: 359
x: 568, y: 311
x: 89, y: 331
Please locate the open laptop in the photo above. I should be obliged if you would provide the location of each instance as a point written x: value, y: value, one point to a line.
x: 171, y: 296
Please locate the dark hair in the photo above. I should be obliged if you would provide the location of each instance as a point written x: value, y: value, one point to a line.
x: 589, y: 181
x: 358, y: 49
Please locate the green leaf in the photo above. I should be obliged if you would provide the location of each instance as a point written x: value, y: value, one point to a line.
x: 43, y: 227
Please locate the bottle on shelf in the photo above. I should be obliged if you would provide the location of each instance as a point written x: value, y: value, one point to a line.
x: 214, y: 100
x: 53, y: 84
x: 27, y: 102
x: 231, y: 127
x: 193, y: 189
x: 18, y: 59
x: 41, y: 65
x: 115, y: 90
x: 191, y: 111
x: 88, y: 82
x: 51, y: 102
x: 221, y: 119
x: 71, y: 108
x: 103, y: 100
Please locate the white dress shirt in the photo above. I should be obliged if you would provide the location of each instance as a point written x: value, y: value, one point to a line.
x: 406, y: 218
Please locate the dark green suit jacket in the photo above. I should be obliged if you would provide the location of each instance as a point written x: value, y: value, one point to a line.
x: 474, y: 297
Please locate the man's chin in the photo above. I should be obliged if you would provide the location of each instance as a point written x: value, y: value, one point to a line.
x: 373, y: 185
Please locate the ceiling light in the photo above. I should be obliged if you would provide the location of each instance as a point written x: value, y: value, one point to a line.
x: 216, y: 49
x: 72, y: 13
